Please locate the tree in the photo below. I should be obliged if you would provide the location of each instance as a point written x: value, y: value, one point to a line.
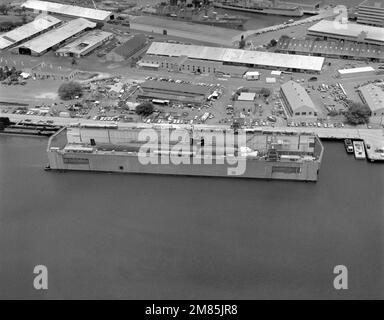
x: 122, y: 104
x: 357, y: 113
x: 6, y: 25
x: 273, y: 43
x: 5, y: 121
x: 70, y: 90
x: 4, y: 8
x: 99, y: 25
x: 265, y: 92
x: 242, y: 42
x: 145, y: 109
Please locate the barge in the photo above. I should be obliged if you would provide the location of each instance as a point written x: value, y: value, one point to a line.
x: 186, y: 151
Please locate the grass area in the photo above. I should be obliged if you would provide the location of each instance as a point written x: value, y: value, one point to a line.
x: 34, y: 92
x: 11, y: 18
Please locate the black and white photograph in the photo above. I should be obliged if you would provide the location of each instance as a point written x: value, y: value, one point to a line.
x: 191, y: 155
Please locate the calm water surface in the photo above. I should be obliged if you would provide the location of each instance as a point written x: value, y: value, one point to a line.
x: 139, y: 236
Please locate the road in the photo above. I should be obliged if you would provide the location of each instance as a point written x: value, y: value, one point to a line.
x: 327, y: 133
x: 323, y: 14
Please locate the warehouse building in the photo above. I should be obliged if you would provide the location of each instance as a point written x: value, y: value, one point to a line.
x: 28, y: 31
x: 373, y: 97
x: 371, y: 12
x: 197, y: 58
x: 174, y: 92
x: 337, y: 49
x: 49, y: 71
x: 85, y: 44
x: 185, y: 65
x: 127, y: 49
x: 298, y: 103
x: 355, y: 32
x: 55, y: 38
x: 68, y: 10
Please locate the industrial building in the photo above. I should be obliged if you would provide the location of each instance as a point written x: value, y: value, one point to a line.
x: 247, y: 96
x: 55, y: 38
x: 298, y: 103
x: 28, y: 31
x: 174, y: 92
x: 337, y: 49
x: 355, y: 32
x: 201, y: 59
x: 233, y: 71
x: 68, y: 10
x: 127, y: 49
x: 373, y: 97
x: 371, y: 12
x: 355, y: 72
x: 52, y: 72
x: 85, y: 44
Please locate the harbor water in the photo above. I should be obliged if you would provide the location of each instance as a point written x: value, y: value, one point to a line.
x: 152, y: 237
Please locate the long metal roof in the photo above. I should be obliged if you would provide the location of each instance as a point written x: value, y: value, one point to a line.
x: 56, y: 36
x: 349, y: 30
x: 28, y: 30
x: 175, y: 87
x: 356, y: 70
x: 69, y: 10
x: 245, y: 57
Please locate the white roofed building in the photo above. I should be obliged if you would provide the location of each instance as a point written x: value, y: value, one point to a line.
x: 328, y: 29
x: 373, y: 96
x: 28, y: 31
x: 85, y: 44
x: 298, y: 103
x: 361, y: 71
x: 247, y: 96
x: 54, y: 38
x: 236, y: 57
x: 68, y: 10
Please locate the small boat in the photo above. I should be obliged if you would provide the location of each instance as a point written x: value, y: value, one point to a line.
x: 348, y: 145
x: 359, y: 150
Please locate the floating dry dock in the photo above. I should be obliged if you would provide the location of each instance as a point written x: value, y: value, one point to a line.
x: 180, y: 151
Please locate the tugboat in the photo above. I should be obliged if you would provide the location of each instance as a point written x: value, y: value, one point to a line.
x: 348, y: 145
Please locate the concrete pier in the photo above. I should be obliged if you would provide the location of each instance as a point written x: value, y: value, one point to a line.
x: 374, y: 138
